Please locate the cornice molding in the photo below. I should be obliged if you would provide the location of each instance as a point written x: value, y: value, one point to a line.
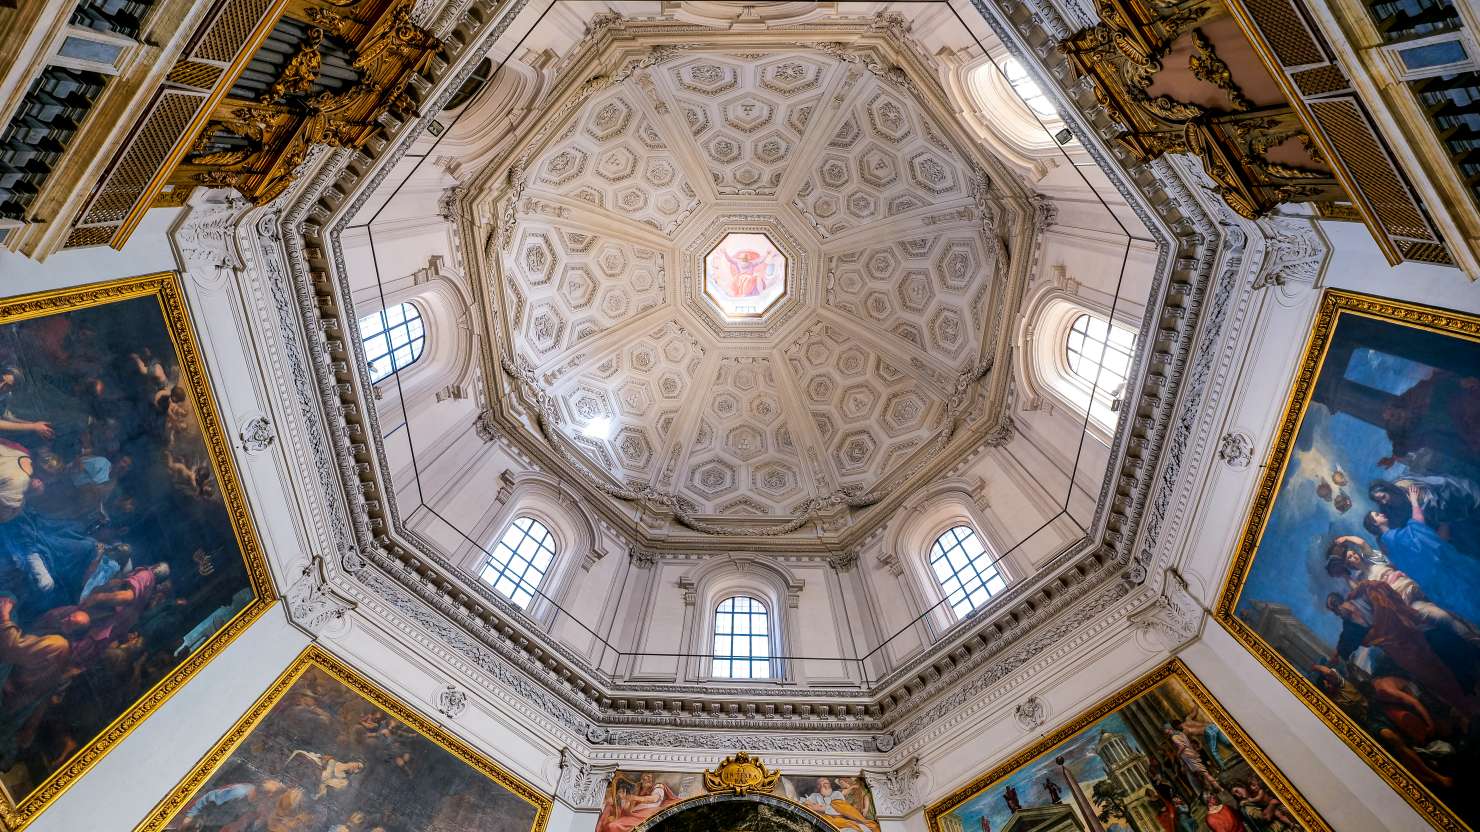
x: 1081, y: 595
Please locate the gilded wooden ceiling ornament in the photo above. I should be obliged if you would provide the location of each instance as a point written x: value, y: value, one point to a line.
x: 741, y: 774
x: 255, y: 145
x: 1258, y: 152
x: 298, y: 76
x: 1207, y: 66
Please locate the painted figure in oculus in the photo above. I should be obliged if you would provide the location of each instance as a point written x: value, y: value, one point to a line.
x: 1161, y: 756
x: 1358, y: 576
x: 325, y: 750
x: 745, y: 274
x: 125, y: 546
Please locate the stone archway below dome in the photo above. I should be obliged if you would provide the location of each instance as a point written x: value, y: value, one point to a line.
x: 735, y: 813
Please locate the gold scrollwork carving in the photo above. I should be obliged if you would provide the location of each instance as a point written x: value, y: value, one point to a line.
x: 300, y: 73
x: 741, y: 774
x: 1207, y: 66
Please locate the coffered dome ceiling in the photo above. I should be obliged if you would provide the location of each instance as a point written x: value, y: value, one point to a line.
x: 812, y: 183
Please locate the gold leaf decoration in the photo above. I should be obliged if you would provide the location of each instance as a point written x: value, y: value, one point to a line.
x: 741, y: 774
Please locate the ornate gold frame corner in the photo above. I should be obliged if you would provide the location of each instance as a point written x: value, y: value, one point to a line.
x: 1174, y: 669
x: 314, y: 656
x: 16, y: 814
x: 1332, y: 305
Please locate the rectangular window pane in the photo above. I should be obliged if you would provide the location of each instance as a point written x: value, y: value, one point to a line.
x: 1432, y: 54
x: 721, y: 669
x: 759, y: 647
x: 86, y: 49
x: 742, y: 624
x: 742, y: 647
x: 760, y: 670
x: 376, y: 346
x: 400, y: 337
x: 402, y: 357
x: 722, y: 623
x: 394, y: 315
x: 722, y: 645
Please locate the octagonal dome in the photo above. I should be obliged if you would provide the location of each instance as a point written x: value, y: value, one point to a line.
x: 748, y: 282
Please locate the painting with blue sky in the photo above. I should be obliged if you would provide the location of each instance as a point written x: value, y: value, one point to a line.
x: 1161, y: 756
x: 1360, y: 567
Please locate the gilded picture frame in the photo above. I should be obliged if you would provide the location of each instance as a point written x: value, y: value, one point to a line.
x: 1173, y: 671
x: 1333, y: 306
x: 314, y: 657
x: 18, y: 811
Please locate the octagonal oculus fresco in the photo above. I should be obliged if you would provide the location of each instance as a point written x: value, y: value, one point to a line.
x: 745, y: 275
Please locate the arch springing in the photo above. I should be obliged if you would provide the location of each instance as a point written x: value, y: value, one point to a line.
x: 394, y: 339
x: 742, y: 639
x: 520, y: 560
x: 966, y: 571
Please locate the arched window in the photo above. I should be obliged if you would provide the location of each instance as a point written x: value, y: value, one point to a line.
x: 1099, y: 353
x: 394, y: 338
x: 966, y: 572
x: 1027, y: 89
x: 742, y: 639
x: 520, y: 560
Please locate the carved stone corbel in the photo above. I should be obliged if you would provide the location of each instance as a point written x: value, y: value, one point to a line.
x: 582, y: 785
x: 1295, y: 253
x: 896, y: 791
x: 1174, y: 618
x: 205, y: 239
x: 313, y: 605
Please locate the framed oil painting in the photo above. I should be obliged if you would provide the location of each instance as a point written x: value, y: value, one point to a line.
x: 1357, y: 578
x: 843, y: 801
x: 1160, y: 756
x: 325, y: 749
x: 127, y: 557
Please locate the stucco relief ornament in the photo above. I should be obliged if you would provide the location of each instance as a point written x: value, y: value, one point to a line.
x: 596, y: 734
x: 313, y: 604
x: 1174, y: 618
x: 206, y: 238
x: 896, y: 792
x: 452, y: 701
x: 1031, y: 713
x: 1236, y: 450
x: 1294, y: 253
x: 581, y: 784
x: 257, y: 435
x: 844, y: 561
x: 884, y: 743
x: 485, y: 427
